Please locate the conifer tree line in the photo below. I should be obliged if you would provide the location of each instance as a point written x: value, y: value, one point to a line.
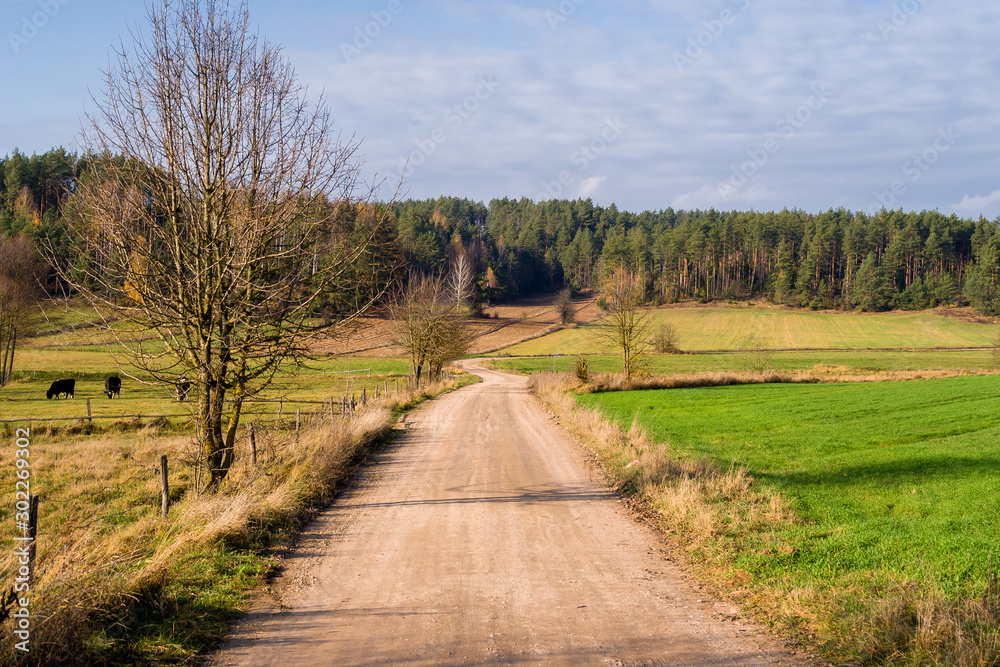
x: 837, y: 259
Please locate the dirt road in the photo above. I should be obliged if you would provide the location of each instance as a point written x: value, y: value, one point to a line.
x: 483, y: 537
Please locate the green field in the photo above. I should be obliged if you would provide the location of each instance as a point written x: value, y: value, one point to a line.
x: 892, y: 482
x: 724, y: 328
x: 67, y: 344
x: 320, y: 381
x: 847, y: 360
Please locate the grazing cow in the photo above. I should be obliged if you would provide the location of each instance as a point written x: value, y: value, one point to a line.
x: 61, y: 387
x: 113, y: 386
x: 183, y: 386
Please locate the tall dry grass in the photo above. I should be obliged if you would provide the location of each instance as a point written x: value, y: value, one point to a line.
x: 685, y: 493
x: 601, y: 382
x: 106, y: 558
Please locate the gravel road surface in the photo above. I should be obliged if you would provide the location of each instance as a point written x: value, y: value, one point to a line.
x: 482, y: 536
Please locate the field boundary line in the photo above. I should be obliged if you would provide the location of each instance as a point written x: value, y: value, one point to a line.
x: 778, y: 349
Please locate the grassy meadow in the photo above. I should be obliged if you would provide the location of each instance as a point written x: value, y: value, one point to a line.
x: 887, y: 477
x: 885, y: 547
x: 117, y: 583
x: 820, y: 362
x: 724, y: 328
x: 859, y: 516
x: 321, y: 380
x: 69, y: 345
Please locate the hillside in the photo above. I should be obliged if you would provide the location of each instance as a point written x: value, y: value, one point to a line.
x: 704, y: 328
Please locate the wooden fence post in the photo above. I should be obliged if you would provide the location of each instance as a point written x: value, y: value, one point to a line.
x: 253, y: 443
x: 32, y: 533
x: 90, y: 416
x: 164, y: 487
x: 364, y: 396
x: 296, y: 425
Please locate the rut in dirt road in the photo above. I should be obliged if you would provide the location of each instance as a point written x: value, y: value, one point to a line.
x: 482, y: 537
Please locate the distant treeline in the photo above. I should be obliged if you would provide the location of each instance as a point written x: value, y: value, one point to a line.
x: 833, y: 259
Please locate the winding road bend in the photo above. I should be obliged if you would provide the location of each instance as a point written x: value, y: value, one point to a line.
x: 483, y: 537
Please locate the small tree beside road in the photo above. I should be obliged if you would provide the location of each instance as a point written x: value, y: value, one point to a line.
x: 627, y: 324
x: 214, y: 213
x: 429, y: 325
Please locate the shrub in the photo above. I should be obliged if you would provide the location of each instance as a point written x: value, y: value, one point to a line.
x: 582, y: 368
x: 564, y: 307
x: 665, y: 339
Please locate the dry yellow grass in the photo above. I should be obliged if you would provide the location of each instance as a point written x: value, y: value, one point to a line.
x: 599, y: 382
x: 105, y: 556
x: 682, y: 491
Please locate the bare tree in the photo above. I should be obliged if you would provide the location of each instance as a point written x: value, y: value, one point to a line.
x: 564, y: 307
x: 429, y: 325
x: 627, y: 324
x: 755, y: 353
x: 20, y: 271
x: 461, y: 283
x: 214, y: 217
x: 665, y: 339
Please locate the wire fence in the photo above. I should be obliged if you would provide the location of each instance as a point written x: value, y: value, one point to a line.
x: 343, y: 405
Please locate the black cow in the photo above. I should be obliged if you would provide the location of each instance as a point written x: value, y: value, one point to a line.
x: 113, y: 386
x: 61, y: 387
x: 183, y: 386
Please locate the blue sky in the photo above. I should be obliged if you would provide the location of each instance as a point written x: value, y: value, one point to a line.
x: 735, y: 104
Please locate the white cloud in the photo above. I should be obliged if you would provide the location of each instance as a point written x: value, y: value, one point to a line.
x: 590, y: 185
x: 703, y: 198
x: 978, y: 203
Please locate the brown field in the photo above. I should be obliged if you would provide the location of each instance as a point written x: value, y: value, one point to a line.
x: 503, y: 325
